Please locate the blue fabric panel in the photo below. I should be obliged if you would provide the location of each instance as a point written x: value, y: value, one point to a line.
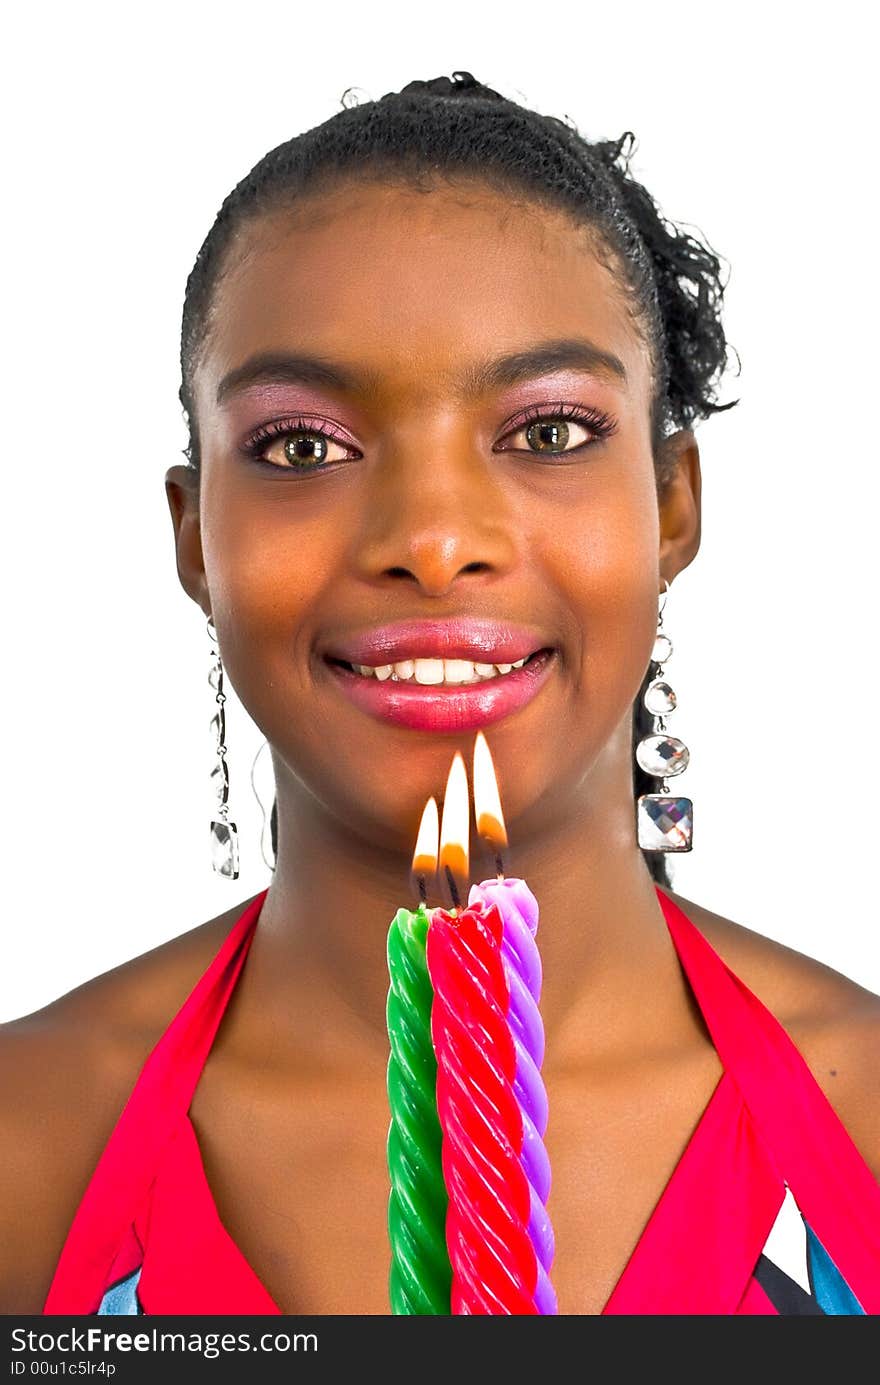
x: 122, y: 1297
x: 830, y: 1289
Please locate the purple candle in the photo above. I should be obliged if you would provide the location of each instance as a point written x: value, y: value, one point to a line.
x: 522, y: 965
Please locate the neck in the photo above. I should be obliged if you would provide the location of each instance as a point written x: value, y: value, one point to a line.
x: 317, y: 970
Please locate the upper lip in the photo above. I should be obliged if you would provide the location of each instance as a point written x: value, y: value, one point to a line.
x: 480, y: 640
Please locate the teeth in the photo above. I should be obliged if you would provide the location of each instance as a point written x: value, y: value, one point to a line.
x: 434, y: 672
x: 428, y: 670
x: 458, y: 671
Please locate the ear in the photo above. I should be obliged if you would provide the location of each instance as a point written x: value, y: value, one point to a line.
x: 182, y: 491
x: 679, y: 503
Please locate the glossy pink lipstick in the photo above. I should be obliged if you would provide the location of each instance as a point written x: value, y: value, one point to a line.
x: 458, y: 637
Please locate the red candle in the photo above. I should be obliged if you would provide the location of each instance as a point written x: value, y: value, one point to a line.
x: 493, y: 1260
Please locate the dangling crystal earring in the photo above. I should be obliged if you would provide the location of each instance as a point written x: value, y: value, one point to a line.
x: 224, y: 834
x: 664, y: 823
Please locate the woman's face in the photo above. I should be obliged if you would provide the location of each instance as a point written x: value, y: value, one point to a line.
x: 434, y: 496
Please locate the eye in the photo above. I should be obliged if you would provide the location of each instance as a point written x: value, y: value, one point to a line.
x: 551, y: 429
x: 297, y: 444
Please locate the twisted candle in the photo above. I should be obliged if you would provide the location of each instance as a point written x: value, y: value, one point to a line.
x: 421, y: 1274
x: 494, y: 1265
x: 522, y: 968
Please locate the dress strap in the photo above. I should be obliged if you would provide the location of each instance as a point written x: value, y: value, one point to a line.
x: 834, y: 1188
x: 160, y: 1097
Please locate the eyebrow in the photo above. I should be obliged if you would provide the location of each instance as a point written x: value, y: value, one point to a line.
x: 567, y: 353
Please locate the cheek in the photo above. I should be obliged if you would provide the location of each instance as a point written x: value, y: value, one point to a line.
x: 260, y: 567
x: 269, y: 572
x: 269, y: 561
x: 604, y: 551
x: 603, y: 556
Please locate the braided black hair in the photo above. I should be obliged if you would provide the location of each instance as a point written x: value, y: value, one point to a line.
x: 431, y: 130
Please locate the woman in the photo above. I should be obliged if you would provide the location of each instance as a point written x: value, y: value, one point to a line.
x: 441, y: 363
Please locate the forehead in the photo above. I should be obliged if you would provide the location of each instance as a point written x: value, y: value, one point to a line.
x: 411, y: 285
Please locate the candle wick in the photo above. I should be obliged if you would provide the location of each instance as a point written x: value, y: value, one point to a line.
x: 423, y: 893
x: 499, y: 866
x: 453, y: 889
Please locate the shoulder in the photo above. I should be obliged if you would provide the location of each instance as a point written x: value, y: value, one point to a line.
x: 833, y: 1021
x: 66, y: 1072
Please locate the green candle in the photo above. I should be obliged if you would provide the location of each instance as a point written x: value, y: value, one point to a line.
x: 421, y: 1275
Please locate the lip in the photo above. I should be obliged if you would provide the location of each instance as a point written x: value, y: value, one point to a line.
x: 438, y: 708
x: 480, y: 640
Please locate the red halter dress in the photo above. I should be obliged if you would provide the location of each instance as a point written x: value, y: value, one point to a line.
x: 770, y: 1210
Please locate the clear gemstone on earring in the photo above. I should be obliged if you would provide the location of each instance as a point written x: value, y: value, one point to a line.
x: 224, y: 849
x: 220, y: 781
x: 662, y: 649
x: 662, y: 756
x: 665, y: 824
x: 215, y: 676
x: 218, y: 726
x: 659, y: 697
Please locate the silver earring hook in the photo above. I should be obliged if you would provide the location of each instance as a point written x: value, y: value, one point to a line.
x: 663, y: 596
x: 270, y: 864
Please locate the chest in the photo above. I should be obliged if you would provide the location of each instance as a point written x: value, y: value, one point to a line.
x: 300, y: 1180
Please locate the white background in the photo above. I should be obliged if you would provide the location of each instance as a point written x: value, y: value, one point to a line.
x: 124, y: 131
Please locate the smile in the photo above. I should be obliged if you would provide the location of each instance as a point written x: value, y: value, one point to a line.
x: 442, y: 694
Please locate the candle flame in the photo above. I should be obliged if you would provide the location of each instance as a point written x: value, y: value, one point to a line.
x: 425, y: 854
x: 455, y: 828
x: 487, y: 800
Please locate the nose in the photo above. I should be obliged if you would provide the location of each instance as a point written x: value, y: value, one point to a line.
x: 437, y: 512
